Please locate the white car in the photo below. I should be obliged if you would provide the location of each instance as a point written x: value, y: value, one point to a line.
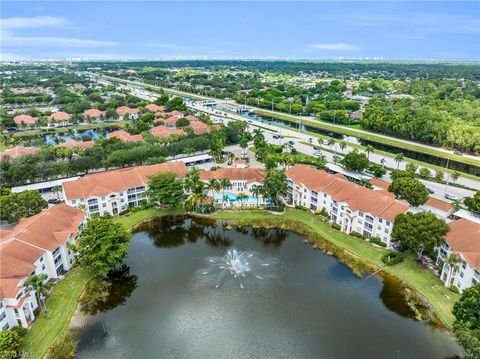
x: 451, y: 197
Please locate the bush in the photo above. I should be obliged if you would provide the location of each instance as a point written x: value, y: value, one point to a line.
x: 11, y: 343
x: 356, y: 234
x: 273, y: 208
x: 323, y: 212
x: 64, y: 348
x: 375, y: 240
x: 453, y: 289
x: 303, y: 208
x: 336, y: 226
x: 392, y: 258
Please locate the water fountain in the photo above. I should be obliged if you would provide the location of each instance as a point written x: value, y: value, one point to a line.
x: 237, y: 264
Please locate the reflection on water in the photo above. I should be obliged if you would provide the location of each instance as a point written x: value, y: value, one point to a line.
x: 307, y: 305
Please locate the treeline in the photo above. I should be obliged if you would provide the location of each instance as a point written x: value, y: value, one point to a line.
x: 56, y: 162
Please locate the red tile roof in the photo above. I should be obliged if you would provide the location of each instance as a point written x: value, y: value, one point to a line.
x: 162, y: 131
x: 31, y: 237
x: 191, y: 118
x: 17, y: 151
x: 380, y: 183
x: 235, y: 174
x: 26, y: 119
x: 59, y: 116
x: 464, y: 238
x: 378, y: 203
x: 125, y: 136
x: 74, y: 143
x: 439, y: 204
x: 199, y: 127
x: 104, y: 183
x: 93, y: 112
x: 175, y: 113
x: 122, y: 110
x: 155, y: 108
x: 171, y: 121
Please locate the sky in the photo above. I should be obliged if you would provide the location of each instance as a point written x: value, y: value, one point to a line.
x: 97, y: 30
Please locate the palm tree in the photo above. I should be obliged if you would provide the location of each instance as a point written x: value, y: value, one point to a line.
x: 455, y: 176
x: 453, y: 262
x: 241, y: 197
x: 38, y: 284
x: 369, y: 149
x: 382, y: 161
x: 213, y: 185
x: 224, y: 182
x: 343, y: 145
x: 57, y: 190
x: 331, y: 143
x: 457, y: 205
x: 399, y: 158
x: 257, y: 191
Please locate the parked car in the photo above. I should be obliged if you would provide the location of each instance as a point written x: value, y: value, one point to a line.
x: 291, y: 142
x: 458, y: 153
x: 431, y: 191
x: 451, y: 197
x: 318, y: 153
x: 310, y: 140
x: 276, y: 137
x: 53, y: 201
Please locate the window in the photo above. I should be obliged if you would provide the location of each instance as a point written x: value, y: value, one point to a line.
x: 462, y: 274
x: 360, y: 214
x: 43, y: 267
x: 104, y: 205
x: 41, y: 259
x: 387, y: 223
x: 103, y: 198
x: 2, y: 316
x: 74, y: 201
x: 6, y: 327
x: 380, y: 220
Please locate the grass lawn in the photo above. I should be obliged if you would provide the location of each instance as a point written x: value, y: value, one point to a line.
x: 424, y: 281
x: 3, y: 146
x: 61, y: 305
x: 372, y: 137
x: 131, y: 220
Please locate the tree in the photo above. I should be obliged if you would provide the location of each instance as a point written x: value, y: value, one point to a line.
x: 257, y: 191
x: 425, y: 173
x: 224, y: 183
x: 467, y: 321
x: 38, y: 283
x: 165, y: 189
x: 410, y: 189
x: 355, y: 161
x: 243, y: 144
x: 241, y: 197
x: 102, y: 246
x: 342, y: 145
x: 377, y: 170
x: 15, y: 206
x: 454, y: 176
x: 453, y: 262
x: 57, y: 190
x: 411, y: 168
x: 11, y: 344
x: 217, y: 144
x: 214, y: 186
x: 439, y: 175
x: 473, y: 203
x: 368, y: 150
x: 275, y: 185
x: 64, y: 348
x: 420, y: 232
x: 182, y: 122
x: 399, y: 157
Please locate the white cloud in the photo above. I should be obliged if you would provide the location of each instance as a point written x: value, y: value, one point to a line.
x: 33, y: 22
x: 9, y: 39
x: 338, y: 46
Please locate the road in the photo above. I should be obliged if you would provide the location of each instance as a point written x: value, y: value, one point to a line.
x: 299, y: 137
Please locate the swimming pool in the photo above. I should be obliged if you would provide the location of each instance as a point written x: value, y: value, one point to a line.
x: 232, y: 198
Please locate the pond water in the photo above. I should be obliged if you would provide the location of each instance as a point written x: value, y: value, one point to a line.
x: 471, y: 169
x: 180, y: 298
x: 83, y: 135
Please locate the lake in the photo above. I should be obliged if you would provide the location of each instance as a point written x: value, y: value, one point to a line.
x: 296, y: 301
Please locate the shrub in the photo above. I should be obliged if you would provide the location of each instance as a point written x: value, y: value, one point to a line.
x: 303, y: 208
x: 392, y: 258
x: 453, y: 289
x: 356, y: 234
x: 64, y: 348
x: 323, y: 212
x: 375, y: 240
x: 336, y: 226
x: 11, y: 343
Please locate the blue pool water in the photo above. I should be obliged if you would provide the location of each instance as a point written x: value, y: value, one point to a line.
x: 52, y: 139
x: 233, y: 198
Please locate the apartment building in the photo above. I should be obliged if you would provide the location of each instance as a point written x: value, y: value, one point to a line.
x: 351, y: 206
x: 36, y: 245
x: 111, y: 192
x: 463, y: 239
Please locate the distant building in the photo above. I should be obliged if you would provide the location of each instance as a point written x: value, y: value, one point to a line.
x: 94, y: 114
x: 59, y: 118
x: 155, y: 108
x: 25, y: 120
x: 162, y: 131
x: 18, y: 151
x: 124, y: 136
x: 123, y: 111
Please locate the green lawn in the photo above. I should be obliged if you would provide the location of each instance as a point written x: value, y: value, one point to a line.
x: 61, y: 305
x: 427, y: 284
x: 345, y: 130
x: 131, y: 220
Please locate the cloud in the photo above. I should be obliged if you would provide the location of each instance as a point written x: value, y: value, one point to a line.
x: 338, y: 46
x: 168, y: 46
x: 9, y: 39
x: 12, y: 23
x: 5, y: 56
